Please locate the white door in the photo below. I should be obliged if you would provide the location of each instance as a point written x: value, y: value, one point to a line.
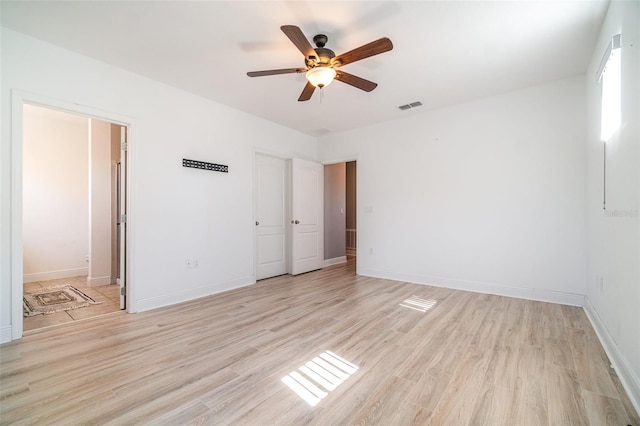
x: 307, y: 235
x: 270, y: 216
x: 122, y: 215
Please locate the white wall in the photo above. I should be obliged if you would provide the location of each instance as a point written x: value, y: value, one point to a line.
x: 335, y: 186
x: 613, y: 280
x: 99, y: 203
x: 487, y: 196
x: 176, y: 213
x: 56, y: 202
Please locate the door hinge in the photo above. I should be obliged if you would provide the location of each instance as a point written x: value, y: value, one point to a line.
x: 123, y: 218
x: 123, y: 291
x: 124, y: 146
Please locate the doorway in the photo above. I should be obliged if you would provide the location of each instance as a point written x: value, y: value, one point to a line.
x: 73, y: 236
x: 351, y: 225
x: 340, y: 226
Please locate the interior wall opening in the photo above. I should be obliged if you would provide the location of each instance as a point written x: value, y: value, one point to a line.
x: 340, y: 212
x: 73, y: 174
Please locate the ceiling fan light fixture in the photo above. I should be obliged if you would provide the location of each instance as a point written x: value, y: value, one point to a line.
x: 321, y: 61
x: 321, y: 76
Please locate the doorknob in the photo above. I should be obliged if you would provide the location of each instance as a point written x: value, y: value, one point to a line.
x: 257, y: 223
x: 295, y: 221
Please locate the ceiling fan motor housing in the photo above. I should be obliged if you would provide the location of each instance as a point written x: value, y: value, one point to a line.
x: 324, y: 55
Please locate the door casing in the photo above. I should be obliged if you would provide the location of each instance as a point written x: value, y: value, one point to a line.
x: 18, y: 100
x: 359, y: 218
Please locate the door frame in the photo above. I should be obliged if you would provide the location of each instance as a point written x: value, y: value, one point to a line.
x: 18, y: 100
x: 347, y: 159
x: 286, y: 157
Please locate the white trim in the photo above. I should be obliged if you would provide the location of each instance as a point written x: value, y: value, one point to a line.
x: 335, y: 261
x: 627, y: 377
x: 18, y: 99
x: 54, y: 275
x: 98, y: 281
x: 17, y: 271
x: 191, y: 294
x: 5, y: 334
x: 345, y: 159
x: 481, y: 287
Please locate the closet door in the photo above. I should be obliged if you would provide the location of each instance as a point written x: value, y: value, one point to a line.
x: 307, y: 234
x: 270, y: 216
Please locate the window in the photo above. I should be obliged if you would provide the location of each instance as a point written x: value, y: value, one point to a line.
x: 609, y: 74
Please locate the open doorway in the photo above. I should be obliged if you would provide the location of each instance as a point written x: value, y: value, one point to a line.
x: 351, y: 230
x: 340, y: 208
x: 74, y: 175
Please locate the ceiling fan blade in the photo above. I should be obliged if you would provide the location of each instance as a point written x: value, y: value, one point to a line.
x: 275, y: 72
x: 355, y: 81
x: 370, y: 49
x: 307, y: 92
x: 297, y: 37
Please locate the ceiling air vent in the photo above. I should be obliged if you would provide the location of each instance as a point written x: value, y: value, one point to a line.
x: 409, y: 106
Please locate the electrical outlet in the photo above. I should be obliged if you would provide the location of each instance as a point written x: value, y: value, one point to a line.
x: 86, y: 258
x: 195, y: 263
x: 188, y: 264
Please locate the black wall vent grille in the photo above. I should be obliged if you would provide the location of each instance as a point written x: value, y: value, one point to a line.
x: 205, y: 166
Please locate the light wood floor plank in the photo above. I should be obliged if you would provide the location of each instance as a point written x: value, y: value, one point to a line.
x: 564, y: 396
x: 468, y: 359
x: 458, y: 402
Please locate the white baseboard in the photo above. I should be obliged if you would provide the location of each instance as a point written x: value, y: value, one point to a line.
x: 54, y: 275
x: 5, y: 334
x: 626, y: 375
x: 480, y: 287
x: 97, y: 281
x: 335, y: 261
x: 191, y: 294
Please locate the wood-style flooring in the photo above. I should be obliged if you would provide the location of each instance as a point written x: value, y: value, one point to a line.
x: 108, y: 295
x: 424, y: 355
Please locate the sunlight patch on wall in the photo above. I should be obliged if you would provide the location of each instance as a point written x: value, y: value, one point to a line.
x: 326, y: 371
x: 422, y: 305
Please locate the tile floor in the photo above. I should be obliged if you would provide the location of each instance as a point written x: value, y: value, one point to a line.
x: 109, y: 295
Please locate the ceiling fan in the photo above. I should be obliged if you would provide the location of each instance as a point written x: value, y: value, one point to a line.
x: 322, y: 64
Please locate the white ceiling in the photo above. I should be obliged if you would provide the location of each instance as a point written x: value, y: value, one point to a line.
x: 444, y: 52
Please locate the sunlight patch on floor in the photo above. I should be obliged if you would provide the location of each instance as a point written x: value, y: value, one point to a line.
x: 326, y: 371
x: 422, y: 305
